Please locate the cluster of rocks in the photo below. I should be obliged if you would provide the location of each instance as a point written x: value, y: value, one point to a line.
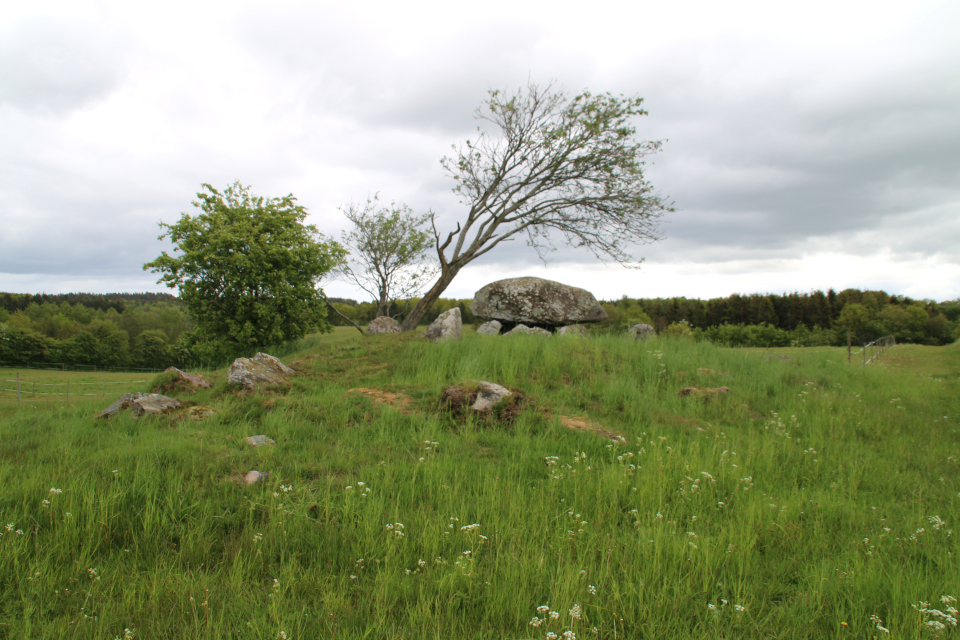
x: 247, y: 372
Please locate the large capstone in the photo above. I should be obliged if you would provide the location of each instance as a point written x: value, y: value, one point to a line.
x: 537, y: 302
x: 260, y: 369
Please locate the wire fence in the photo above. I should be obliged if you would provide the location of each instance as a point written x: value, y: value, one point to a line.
x: 20, y: 387
x: 62, y: 366
x: 872, y: 350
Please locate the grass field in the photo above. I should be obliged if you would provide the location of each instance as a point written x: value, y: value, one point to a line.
x: 814, y: 500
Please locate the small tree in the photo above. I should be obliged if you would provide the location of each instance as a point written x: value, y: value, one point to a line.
x: 388, y: 252
x: 555, y: 164
x: 248, y: 267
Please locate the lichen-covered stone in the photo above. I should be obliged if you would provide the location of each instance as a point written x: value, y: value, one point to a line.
x: 260, y: 369
x: 489, y: 394
x: 194, y: 380
x: 524, y: 329
x: 447, y: 326
x: 259, y: 441
x: 577, y: 330
x: 491, y: 328
x: 200, y: 412
x: 641, y: 332
x: 535, y: 301
x: 383, y: 324
x: 141, y: 404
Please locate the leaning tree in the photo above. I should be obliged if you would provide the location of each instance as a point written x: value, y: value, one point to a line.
x: 550, y: 166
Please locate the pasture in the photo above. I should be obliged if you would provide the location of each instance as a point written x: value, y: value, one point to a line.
x: 815, y: 499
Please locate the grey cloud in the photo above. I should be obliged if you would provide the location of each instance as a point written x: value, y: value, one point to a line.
x: 346, y: 70
x: 55, y: 67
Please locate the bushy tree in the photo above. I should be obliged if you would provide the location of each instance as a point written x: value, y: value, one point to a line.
x: 248, y: 267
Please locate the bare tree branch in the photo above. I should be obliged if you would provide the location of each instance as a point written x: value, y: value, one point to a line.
x: 552, y: 163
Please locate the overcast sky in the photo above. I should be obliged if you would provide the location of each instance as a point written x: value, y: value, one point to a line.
x: 807, y: 145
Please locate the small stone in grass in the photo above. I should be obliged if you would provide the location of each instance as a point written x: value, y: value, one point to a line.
x: 253, y: 477
x: 256, y: 441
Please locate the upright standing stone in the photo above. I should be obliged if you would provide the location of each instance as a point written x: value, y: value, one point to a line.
x: 641, y: 332
x: 447, y: 326
x: 491, y: 328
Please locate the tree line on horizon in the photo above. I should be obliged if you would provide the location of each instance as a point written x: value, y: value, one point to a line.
x: 154, y: 330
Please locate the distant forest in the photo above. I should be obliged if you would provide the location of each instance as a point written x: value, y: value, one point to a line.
x: 152, y: 330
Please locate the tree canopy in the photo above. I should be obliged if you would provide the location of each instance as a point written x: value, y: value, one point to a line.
x: 388, y: 251
x: 248, y: 267
x: 550, y: 166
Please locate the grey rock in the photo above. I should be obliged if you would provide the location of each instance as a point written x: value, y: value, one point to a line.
x: 253, y: 477
x: 447, y: 326
x: 489, y: 394
x: 259, y: 441
x: 194, y: 380
x: 491, y: 328
x: 141, y: 404
x: 641, y: 332
x: 577, y: 330
x: 383, y: 324
x: 260, y: 369
x: 536, y: 301
x: 524, y: 329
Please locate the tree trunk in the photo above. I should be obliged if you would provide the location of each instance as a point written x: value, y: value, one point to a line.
x: 413, y: 318
x: 337, y: 311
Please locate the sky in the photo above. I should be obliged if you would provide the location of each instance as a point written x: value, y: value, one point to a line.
x: 805, y: 145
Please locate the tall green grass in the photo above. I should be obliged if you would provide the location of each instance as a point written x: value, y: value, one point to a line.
x: 809, y: 498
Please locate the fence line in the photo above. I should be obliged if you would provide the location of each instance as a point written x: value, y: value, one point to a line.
x: 872, y: 349
x: 62, y: 366
x: 19, y: 390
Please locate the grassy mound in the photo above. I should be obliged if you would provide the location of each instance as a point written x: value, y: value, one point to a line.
x: 814, y: 499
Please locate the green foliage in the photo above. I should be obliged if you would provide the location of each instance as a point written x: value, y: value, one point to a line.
x: 388, y: 252
x: 678, y: 331
x: 151, y: 350
x: 248, y: 267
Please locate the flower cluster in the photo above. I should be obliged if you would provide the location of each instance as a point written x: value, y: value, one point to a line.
x: 397, y: 529
x: 936, y: 620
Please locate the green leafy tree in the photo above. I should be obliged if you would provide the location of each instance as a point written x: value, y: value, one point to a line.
x: 388, y: 252
x: 552, y: 166
x: 248, y: 267
x: 854, y: 317
x: 151, y: 350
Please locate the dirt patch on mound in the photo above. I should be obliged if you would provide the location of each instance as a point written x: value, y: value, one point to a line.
x: 579, y: 423
x: 398, y: 401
